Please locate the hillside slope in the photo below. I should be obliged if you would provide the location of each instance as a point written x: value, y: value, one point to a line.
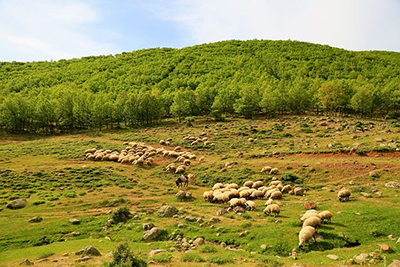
x: 229, y: 77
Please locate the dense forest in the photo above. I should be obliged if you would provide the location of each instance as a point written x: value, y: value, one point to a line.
x: 229, y: 78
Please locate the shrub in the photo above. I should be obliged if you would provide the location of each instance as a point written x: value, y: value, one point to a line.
x: 220, y: 259
x: 123, y: 257
x: 189, y: 121
x: 291, y: 177
x: 282, y: 249
x: 192, y: 257
x: 121, y: 215
x: 208, y: 249
x: 163, y: 258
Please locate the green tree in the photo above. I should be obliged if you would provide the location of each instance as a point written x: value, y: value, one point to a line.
x: 248, y: 103
x: 184, y: 104
x: 362, y: 100
x: 299, y: 96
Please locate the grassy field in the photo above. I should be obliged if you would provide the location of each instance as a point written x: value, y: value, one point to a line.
x: 324, y: 154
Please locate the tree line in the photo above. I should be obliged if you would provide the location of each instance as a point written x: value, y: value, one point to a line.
x: 230, y: 78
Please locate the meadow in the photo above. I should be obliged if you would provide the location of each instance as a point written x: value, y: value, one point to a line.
x: 320, y: 154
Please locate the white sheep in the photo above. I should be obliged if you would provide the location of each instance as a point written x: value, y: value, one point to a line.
x: 208, y: 195
x: 326, y: 215
x: 266, y: 169
x: 273, y: 208
x: 235, y: 202
x: 309, y: 215
x: 244, y: 193
x: 250, y: 205
x: 286, y: 188
x: 276, y: 195
x: 257, y: 194
x: 275, y: 183
x: 306, y: 234
x: 180, y: 169
x: 248, y: 184
x: 257, y: 184
x: 312, y: 221
x: 344, y: 194
x: 269, y: 202
x: 274, y: 171
x: 217, y: 186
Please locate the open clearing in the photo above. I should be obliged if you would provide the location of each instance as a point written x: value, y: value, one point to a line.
x: 325, y: 154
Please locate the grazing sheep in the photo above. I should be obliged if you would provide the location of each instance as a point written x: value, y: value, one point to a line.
x: 257, y: 194
x: 235, y: 202
x: 178, y: 148
x: 266, y: 169
x: 182, y: 181
x: 171, y: 167
x: 180, y: 169
x: 275, y: 183
x: 269, y: 202
x: 326, y: 215
x: 306, y: 234
x: 234, y: 193
x: 309, y: 215
x: 195, y: 142
x: 250, y: 205
x: 90, y: 157
x: 257, y: 184
x: 274, y: 171
x: 201, y: 159
x: 169, y: 139
x: 273, y: 208
x: 233, y: 186
x: 244, y: 193
x: 248, y: 184
x: 286, y: 188
x: 311, y: 211
x: 208, y: 196
x: 344, y: 194
x: 217, y: 186
x: 269, y: 192
x: 276, y: 195
x: 186, y: 162
x: 90, y: 150
x: 312, y: 221
x: 192, y: 177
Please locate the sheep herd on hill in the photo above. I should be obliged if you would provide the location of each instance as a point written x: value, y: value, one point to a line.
x: 137, y: 153
x: 238, y: 198
x: 242, y: 197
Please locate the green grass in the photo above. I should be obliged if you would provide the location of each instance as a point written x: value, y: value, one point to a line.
x: 94, y: 192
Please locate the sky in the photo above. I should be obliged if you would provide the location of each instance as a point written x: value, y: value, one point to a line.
x: 37, y: 30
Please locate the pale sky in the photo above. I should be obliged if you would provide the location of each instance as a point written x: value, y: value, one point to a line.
x: 34, y: 30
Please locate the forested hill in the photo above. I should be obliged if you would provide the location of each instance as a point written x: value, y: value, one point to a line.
x: 218, y: 79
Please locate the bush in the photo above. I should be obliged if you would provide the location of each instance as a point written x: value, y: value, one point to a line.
x: 192, y: 257
x: 189, y: 121
x: 291, y: 177
x: 121, y: 215
x: 282, y: 249
x: 123, y: 257
x: 208, y: 249
x: 220, y: 259
x: 162, y: 258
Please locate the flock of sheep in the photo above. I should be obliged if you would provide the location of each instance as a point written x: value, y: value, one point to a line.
x: 141, y: 154
x: 237, y: 197
x: 313, y: 219
x: 243, y: 197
